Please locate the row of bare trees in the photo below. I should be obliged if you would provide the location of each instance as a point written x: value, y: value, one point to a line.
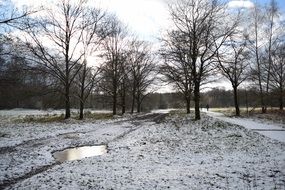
x: 207, y: 40
x: 266, y: 39
x: 254, y: 55
x: 210, y: 40
x: 59, y: 42
x: 128, y: 70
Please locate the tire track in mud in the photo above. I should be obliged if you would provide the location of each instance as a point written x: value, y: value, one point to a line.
x: 156, y: 117
x: 137, y: 121
x: 10, y: 182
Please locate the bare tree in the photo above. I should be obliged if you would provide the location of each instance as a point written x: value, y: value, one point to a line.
x: 233, y: 63
x: 201, y: 22
x: 114, y: 54
x: 177, y: 64
x: 256, y: 46
x: 92, y: 36
x: 266, y: 29
x: 142, y: 72
x: 88, y: 78
x: 278, y: 72
x: 124, y: 69
x: 56, y: 41
x: 272, y: 15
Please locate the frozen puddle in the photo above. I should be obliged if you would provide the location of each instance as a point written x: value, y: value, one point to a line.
x: 79, y: 153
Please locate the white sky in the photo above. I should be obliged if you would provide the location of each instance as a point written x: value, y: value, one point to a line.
x: 240, y: 4
x: 146, y: 18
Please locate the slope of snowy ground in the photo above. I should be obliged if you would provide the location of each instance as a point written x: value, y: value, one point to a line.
x: 178, y: 153
x: 274, y: 131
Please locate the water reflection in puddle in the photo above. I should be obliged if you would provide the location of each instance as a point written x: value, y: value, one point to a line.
x: 80, y: 152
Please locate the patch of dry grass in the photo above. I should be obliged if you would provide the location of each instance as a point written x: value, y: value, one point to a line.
x: 40, y: 119
x: 272, y: 114
x: 60, y: 118
x: 98, y: 116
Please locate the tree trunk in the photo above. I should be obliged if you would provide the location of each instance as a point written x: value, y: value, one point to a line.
x: 123, y: 107
x: 115, y: 93
x: 236, y: 101
x: 281, y: 99
x: 246, y: 103
x: 187, y: 105
x: 82, y: 101
x: 261, y: 94
x: 81, y: 104
x: 124, y: 100
x: 67, y: 72
x: 133, y: 97
x: 133, y: 104
x: 67, y: 102
x: 138, y: 107
x: 114, y: 103
x: 263, y: 110
x: 81, y: 108
x: 138, y: 104
x: 197, y: 100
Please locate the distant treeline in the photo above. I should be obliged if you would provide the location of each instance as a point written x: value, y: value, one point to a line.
x: 20, y: 93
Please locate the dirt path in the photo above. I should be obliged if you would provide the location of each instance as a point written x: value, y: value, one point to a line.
x: 269, y: 130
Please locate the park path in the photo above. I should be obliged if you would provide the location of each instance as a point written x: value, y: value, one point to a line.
x: 269, y: 130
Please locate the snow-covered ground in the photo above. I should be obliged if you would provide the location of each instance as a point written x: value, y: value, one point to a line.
x: 274, y: 131
x: 162, y: 110
x: 178, y: 153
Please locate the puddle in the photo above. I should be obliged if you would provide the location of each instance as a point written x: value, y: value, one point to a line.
x: 80, y: 152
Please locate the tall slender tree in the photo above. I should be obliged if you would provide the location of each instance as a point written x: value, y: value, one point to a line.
x: 114, y: 55
x: 142, y: 71
x: 177, y: 64
x: 266, y: 29
x: 277, y: 81
x: 91, y: 40
x: 202, y: 23
x: 256, y: 46
x: 271, y: 16
x: 55, y: 40
x: 233, y: 63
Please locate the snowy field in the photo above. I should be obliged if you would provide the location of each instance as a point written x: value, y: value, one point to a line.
x: 144, y: 152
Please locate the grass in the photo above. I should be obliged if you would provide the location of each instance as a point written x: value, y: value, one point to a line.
x: 243, y: 110
x: 98, y: 116
x: 180, y: 112
x: 273, y: 113
x: 40, y: 119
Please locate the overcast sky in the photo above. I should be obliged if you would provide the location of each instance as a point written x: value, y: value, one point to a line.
x: 147, y: 18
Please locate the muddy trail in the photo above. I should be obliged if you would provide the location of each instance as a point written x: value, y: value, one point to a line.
x: 136, y: 120
x: 26, y: 147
